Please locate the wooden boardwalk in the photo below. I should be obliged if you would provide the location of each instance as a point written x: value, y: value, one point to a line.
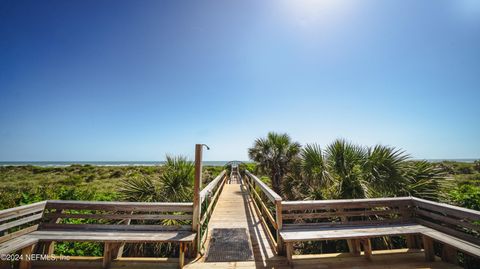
x: 235, y: 209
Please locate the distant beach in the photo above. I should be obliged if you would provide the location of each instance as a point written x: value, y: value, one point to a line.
x: 153, y: 163
x: 101, y: 163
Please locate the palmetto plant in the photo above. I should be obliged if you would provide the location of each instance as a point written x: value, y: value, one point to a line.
x: 274, y: 155
x: 345, y: 170
x: 174, y: 184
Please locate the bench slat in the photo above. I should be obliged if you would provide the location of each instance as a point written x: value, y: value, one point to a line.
x: 120, y: 206
x: 341, y: 214
x: 114, y: 227
x: 348, y: 232
x: 117, y: 216
x: 16, y: 244
x: 114, y: 236
x: 19, y: 222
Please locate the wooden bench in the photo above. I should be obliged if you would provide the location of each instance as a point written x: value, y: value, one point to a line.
x: 356, y: 220
x: 359, y: 220
x: 112, y: 223
x: 452, y: 226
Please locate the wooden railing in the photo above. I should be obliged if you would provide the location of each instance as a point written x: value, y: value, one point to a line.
x: 21, y: 220
x: 347, y: 212
x: 268, y: 205
x: 208, y: 199
x: 100, y: 215
x: 453, y: 220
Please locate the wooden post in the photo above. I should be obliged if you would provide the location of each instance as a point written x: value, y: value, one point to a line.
x: 197, y: 185
x: 279, y: 220
x: 289, y: 247
x: 181, y: 256
x: 367, y: 248
x: 449, y: 254
x: 356, y: 247
x: 107, y: 255
x: 428, y: 248
x: 25, y: 263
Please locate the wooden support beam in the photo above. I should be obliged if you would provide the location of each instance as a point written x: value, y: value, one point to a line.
x: 411, y: 241
x: 181, y: 256
x: 356, y: 247
x: 428, y: 248
x: 197, y: 186
x: 289, y: 248
x: 367, y: 248
x: 279, y: 221
x: 107, y: 255
x: 25, y: 263
x: 449, y: 254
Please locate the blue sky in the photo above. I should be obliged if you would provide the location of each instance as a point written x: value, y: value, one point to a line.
x: 134, y: 80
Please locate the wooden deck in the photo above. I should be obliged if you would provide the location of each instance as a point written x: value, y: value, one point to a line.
x: 235, y: 203
x: 235, y: 209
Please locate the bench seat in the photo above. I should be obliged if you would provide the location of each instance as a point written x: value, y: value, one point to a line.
x: 312, y: 233
x: 108, y: 236
x: 16, y: 244
x: 454, y: 242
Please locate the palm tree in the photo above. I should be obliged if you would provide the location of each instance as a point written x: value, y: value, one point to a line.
x: 274, y: 155
x: 345, y: 170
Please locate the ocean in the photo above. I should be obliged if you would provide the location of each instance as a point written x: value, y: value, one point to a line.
x: 101, y: 163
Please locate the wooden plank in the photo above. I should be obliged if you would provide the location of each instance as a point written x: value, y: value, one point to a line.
x: 118, y: 216
x: 279, y: 222
x: 454, y: 242
x: 367, y: 248
x: 25, y: 212
x: 450, y: 231
x: 289, y: 248
x: 445, y: 219
x: 114, y: 227
x: 377, y: 222
x: 18, y: 233
x: 113, y: 237
x: 19, y: 222
x: 272, y: 196
x: 16, y: 244
x: 449, y: 254
x: 120, y: 206
x: 428, y: 248
x: 456, y: 211
x: 107, y: 255
x: 25, y: 263
x: 181, y: 258
x: 349, y: 232
x: 289, y: 216
x: 346, y: 203
x: 19, y: 210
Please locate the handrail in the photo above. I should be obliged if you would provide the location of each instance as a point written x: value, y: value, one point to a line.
x: 209, y: 188
x: 266, y: 216
x: 272, y: 196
